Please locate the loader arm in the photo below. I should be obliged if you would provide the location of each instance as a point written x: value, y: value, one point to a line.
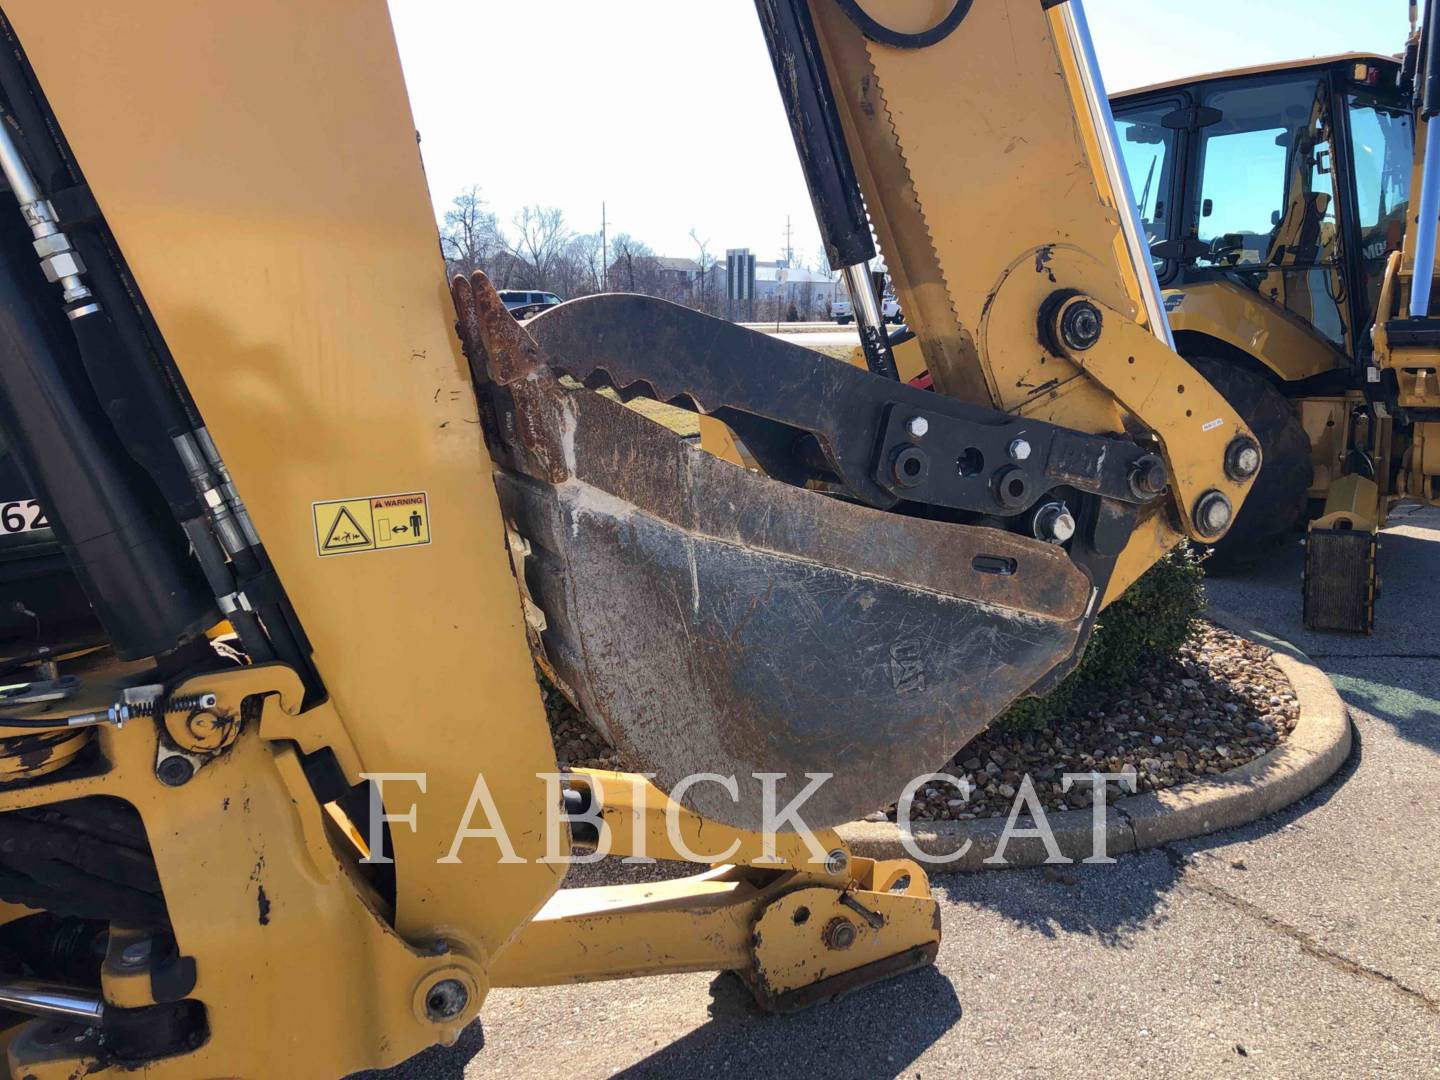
x: 309, y: 839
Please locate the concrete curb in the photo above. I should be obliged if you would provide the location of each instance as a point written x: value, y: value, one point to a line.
x: 1309, y: 757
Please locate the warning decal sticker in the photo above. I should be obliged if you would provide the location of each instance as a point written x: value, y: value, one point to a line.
x: 378, y: 523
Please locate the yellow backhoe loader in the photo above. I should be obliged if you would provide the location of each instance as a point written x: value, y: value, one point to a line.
x: 1276, y: 200
x: 296, y: 811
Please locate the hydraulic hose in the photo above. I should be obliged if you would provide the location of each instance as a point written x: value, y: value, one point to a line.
x: 883, y: 35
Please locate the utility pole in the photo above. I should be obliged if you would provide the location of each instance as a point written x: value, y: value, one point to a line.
x: 789, y: 251
x: 604, y: 251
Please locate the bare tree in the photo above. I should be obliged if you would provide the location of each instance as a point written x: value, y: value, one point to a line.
x: 540, y: 240
x: 705, y: 299
x: 582, y: 266
x: 470, y: 237
x: 635, y: 268
x: 807, y: 300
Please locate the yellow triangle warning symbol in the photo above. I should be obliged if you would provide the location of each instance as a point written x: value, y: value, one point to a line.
x: 345, y: 533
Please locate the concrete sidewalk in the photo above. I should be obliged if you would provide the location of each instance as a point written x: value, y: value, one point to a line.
x: 1307, y: 944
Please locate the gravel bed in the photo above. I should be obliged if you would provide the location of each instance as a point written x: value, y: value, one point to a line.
x: 1218, y: 705
x: 577, y: 744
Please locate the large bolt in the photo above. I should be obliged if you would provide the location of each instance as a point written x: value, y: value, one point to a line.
x: 1080, y: 326
x: 1213, y: 513
x: 175, y: 771
x: 837, y: 862
x: 917, y: 427
x: 1054, y: 523
x: 1020, y: 450
x: 840, y: 934
x: 446, y: 1000
x: 1242, y: 458
x: 1148, y: 477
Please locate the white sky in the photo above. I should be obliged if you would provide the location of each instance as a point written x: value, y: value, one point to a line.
x: 667, y: 111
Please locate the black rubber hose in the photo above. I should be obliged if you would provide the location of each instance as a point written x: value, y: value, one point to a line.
x: 883, y: 35
x: 27, y: 723
x: 815, y: 125
x: 144, y: 588
x: 145, y: 413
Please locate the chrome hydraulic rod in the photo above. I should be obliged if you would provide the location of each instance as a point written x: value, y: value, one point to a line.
x: 1422, y: 285
x: 51, y: 1000
x: 1423, y: 282
x: 869, y: 320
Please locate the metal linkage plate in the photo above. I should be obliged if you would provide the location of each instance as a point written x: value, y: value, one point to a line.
x: 808, y: 417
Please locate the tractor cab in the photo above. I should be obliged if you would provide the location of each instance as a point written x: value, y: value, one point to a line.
x: 1272, y: 197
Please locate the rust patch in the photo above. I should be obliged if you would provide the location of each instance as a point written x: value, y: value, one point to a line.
x: 488, y: 330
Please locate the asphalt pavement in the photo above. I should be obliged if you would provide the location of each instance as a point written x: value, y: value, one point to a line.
x: 1304, y: 945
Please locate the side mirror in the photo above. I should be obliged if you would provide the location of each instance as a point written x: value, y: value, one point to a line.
x: 1274, y: 217
x: 1207, y: 207
x: 1143, y: 133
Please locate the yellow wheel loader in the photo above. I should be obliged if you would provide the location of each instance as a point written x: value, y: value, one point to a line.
x: 297, y: 811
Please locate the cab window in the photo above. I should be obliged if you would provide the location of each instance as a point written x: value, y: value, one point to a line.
x: 1381, y: 144
x: 1148, y: 147
x: 1266, y: 200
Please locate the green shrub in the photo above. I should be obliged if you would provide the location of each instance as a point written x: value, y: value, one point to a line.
x: 1147, y: 624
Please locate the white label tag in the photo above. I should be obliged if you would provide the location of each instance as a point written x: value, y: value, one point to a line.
x: 22, y: 516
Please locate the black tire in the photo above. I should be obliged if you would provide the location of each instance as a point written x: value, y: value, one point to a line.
x: 1277, y: 499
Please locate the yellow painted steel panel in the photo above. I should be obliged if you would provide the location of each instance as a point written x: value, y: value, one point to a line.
x: 258, y: 165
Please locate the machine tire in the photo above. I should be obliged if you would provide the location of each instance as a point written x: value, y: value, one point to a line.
x: 1277, y: 498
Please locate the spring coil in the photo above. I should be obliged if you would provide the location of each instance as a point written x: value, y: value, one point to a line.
x: 159, y: 706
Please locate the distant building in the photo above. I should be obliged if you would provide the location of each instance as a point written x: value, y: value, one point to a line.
x: 778, y: 286
x: 677, y: 273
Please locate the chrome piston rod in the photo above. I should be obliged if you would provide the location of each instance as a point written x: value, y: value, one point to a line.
x: 51, y: 1000
x: 869, y: 320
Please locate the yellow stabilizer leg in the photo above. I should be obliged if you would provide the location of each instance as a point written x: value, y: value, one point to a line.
x: 799, y: 926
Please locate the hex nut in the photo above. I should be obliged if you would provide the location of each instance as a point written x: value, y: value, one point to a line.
x: 1081, y: 325
x: 51, y: 244
x: 62, y: 265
